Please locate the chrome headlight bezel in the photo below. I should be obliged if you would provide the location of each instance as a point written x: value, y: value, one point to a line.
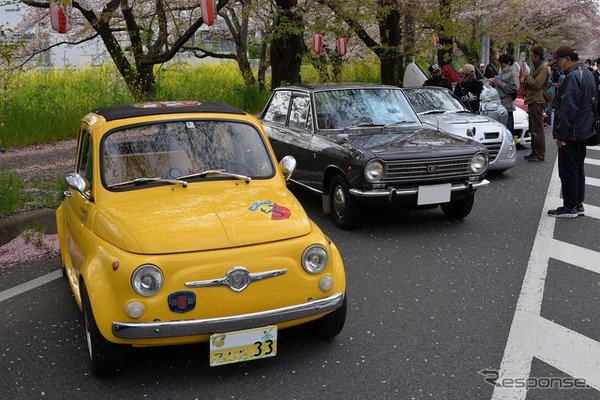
x: 147, y: 280
x: 479, y: 163
x: 314, y: 259
x: 374, y: 171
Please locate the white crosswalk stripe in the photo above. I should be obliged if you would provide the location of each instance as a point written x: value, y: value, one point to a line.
x: 532, y: 336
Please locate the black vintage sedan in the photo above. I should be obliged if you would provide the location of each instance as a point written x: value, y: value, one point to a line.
x: 359, y: 145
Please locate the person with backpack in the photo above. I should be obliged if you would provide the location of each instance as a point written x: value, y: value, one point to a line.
x: 507, y: 86
x: 536, y: 82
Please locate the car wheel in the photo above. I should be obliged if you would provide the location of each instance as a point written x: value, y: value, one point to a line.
x: 328, y: 326
x: 460, y: 208
x: 344, y: 208
x: 106, y: 357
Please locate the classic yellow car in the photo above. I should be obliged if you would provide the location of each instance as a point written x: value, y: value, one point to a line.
x: 177, y: 227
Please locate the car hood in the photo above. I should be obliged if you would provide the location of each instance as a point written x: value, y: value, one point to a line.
x: 459, y: 123
x: 409, y: 142
x: 188, y: 219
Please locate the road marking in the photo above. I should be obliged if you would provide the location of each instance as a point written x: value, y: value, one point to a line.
x: 530, y: 334
x: 32, y: 284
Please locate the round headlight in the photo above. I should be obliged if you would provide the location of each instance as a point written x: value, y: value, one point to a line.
x: 147, y: 280
x: 374, y: 171
x: 479, y: 163
x: 314, y: 259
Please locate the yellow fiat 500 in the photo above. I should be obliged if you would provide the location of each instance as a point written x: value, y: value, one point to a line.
x: 177, y: 227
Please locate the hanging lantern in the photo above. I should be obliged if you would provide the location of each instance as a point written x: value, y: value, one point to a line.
x: 208, y: 11
x: 60, y: 15
x: 317, y: 42
x: 342, y: 46
x: 436, y: 40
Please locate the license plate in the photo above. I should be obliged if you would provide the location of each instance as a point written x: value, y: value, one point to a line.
x: 434, y: 194
x: 246, y: 345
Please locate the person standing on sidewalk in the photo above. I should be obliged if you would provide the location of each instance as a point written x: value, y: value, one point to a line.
x: 573, y: 125
x: 535, y: 85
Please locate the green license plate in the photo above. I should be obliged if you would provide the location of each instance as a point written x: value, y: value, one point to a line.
x: 246, y: 345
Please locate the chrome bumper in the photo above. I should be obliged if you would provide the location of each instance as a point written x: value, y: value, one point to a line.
x: 392, y: 192
x: 151, y: 330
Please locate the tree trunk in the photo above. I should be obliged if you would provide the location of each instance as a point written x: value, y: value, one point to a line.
x: 287, y: 46
x: 392, y: 70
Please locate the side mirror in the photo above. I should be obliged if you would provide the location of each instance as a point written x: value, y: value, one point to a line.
x: 79, y: 184
x: 288, y: 165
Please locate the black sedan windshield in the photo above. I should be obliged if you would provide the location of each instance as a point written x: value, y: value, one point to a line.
x: 348, y: 108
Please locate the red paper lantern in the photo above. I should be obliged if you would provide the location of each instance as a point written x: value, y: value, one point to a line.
x: 342, y: 46
x: 208, y: 11
x: 60, y: 16
x: 436, y: 40
x: 317, y: 42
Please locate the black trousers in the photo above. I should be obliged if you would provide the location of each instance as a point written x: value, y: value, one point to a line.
x: 571, y: 159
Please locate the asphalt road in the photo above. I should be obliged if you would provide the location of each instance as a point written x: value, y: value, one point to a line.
x: 432, y: 302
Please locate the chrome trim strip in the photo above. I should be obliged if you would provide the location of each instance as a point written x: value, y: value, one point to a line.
x: 228, y: 281
x: 413, y: 191
x: 152, y: 330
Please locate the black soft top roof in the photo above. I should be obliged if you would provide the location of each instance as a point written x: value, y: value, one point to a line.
x: 164, y: 107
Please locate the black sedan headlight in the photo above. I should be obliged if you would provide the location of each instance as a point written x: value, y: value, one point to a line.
x: 479, y: 163
x: 374, y: 171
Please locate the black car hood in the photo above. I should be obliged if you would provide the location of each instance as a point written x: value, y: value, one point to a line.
x: 385, y: 141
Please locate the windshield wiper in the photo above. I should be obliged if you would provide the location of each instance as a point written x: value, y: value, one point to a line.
x: 138, y: 181
x: 433, y: 112
x: 399, y: 122
x: 220, y: 172
x: 362, y: 125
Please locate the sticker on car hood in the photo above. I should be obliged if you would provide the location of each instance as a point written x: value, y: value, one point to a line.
x: 270, y: 210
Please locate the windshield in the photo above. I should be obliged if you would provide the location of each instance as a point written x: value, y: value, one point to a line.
x: 427, y: 100
x: 362, y: 107
x: 156, y: 153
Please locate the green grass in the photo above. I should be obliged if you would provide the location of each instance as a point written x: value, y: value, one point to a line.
x: 11, y: 192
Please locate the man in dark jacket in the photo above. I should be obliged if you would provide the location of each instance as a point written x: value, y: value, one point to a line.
x: 573, y: 125
x: 437, y: 78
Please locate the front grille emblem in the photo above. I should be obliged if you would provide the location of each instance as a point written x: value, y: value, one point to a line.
x: 237, y: 279
x: 432, y: 169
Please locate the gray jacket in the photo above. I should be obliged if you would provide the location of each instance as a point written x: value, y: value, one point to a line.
x: 573, y: 115
x: 508, y: 85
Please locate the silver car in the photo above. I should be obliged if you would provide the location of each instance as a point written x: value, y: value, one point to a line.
x: 440, y: 108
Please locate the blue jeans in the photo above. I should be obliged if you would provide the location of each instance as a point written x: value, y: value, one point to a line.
x: 571, y: 159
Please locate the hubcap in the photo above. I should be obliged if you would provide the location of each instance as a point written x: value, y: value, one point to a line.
x: 339, y: 201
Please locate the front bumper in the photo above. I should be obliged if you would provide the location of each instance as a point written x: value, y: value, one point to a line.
x: 153, y: 330
x: 392, y: 192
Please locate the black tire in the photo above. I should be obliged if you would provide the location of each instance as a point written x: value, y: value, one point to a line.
x: 460, y: 208
x: 328, y: 326
x: 106, y: 357
x: 345, y: 209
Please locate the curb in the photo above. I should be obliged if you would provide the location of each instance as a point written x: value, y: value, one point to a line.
x: 11, y: 226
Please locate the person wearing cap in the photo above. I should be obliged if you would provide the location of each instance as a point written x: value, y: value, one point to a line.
x: 536, y: 82
x: 573, y: 125
x: 437, y: 78
x: 469, y: 89
x: 507, y: 86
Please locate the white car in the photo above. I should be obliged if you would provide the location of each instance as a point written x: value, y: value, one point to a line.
x: 522, y: 127
x: 440, y: 108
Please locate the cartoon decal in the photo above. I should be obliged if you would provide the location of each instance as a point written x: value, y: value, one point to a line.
x: 271, y: 210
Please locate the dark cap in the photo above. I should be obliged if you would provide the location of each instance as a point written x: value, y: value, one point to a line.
x: 434, y: 67
x: 560, y: 52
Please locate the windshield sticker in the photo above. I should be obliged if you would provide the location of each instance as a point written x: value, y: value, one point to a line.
x: 271, y: 210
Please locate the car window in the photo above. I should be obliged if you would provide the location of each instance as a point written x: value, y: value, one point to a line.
x: 299, y: 112
x: 432, y: 99
x: 85, y: 163
x: 174, y: 149
x: 278, y: 107
x: 338, y: 109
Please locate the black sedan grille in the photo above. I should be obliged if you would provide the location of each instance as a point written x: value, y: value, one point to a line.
x: 493, y: 149
x: 442, y: 168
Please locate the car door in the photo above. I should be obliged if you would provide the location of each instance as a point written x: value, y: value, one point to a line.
x: 288, y: 123
x: 77, y: 205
